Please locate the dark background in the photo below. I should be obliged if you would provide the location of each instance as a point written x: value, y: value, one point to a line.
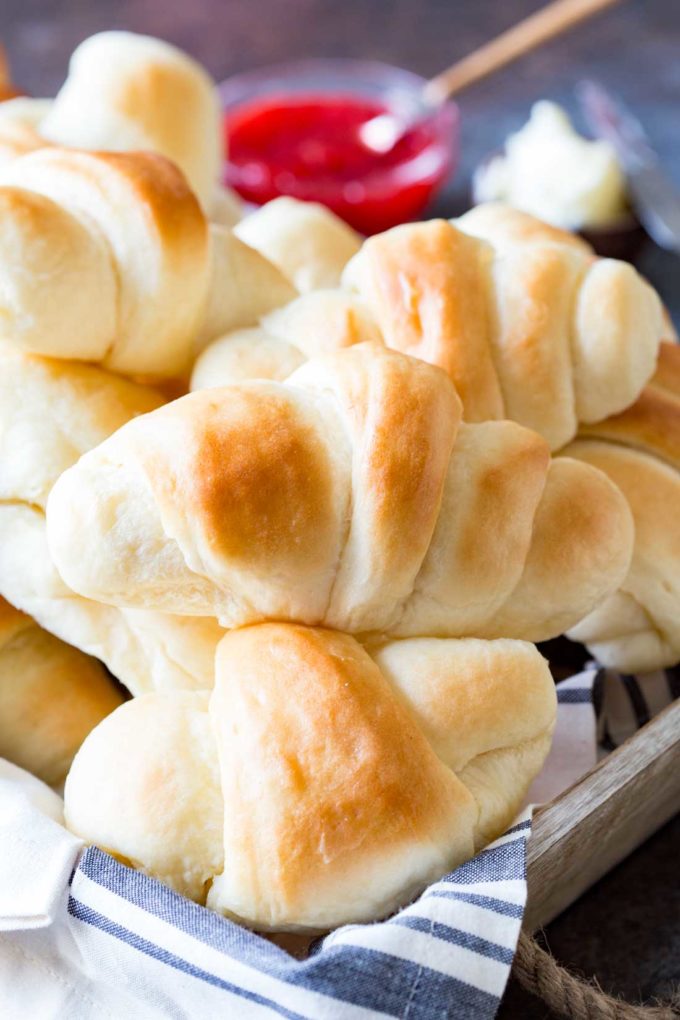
x: 627, y: 929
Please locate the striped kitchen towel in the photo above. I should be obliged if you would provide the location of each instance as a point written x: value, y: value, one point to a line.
x: 113, y: 943
x: 623, y: 703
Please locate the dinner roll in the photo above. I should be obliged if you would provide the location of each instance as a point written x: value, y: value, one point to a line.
x: 528, y: 323
x: 350, y: 496
x: 51, y: 696
x: 308, y: 243
x: 637, y: 629
x: 51, y: 412
x: 319, y: 784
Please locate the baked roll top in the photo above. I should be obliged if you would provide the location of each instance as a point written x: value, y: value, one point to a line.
x: 125, y: 236
x: 51, y: 412
x: 637, y: 628
x: 107, y: 257
x: 320, y: 783
x: 351, y: 496
x: 306, y: 241
x: 126, y: 91
x: 51, y: 696
x: 528, y: 324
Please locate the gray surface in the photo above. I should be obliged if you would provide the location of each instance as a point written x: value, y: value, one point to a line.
x: 627, y: 929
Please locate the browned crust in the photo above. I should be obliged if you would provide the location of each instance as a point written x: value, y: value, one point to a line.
x: 652, y: 424
x: 667, y: 375
x: 152, y: 180
x: 251, y: 475
x: 312, y: 712
x: 429, y: 293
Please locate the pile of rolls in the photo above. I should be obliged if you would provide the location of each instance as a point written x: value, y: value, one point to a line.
x: 310, y: 500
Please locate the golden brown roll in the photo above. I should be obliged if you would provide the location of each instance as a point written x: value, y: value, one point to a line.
x: 107, y: 257
x: 50, y: 413
x: 637, y: 628
x: 126, y: 92
x: 528, y: 324
x: 350, y: 496
x: 51, y: 696
x: 308, y: 243
x: 318, y: 784
x: 129, y: 92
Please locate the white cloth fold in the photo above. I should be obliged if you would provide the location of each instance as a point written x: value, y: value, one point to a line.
x: 37, y: 854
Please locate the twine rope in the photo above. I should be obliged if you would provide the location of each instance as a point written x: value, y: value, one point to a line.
x: 569, y: 996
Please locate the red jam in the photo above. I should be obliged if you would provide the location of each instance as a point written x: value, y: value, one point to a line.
x: 309, y: 147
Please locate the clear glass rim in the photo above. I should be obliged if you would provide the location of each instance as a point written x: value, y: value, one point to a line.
x: 331, y: 74
x: 398, y: 88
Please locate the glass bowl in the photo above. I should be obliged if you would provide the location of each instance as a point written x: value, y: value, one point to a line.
x: 371, y: 194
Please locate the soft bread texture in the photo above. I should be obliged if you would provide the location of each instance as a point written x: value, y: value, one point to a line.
x: 126, y: 92
x: 243, y: 286
x: 107, y: 257
x: 314, y: 323
x: 135, y: 223
x: 350, y: 496
x: 51, y: 412
x: 307, y: 242
x: 51, y: 696
x: 318, y: 784
x: 638, y: 627
x: 19, y: 122
x: 505, y: 227
x: 242, y: 355
x: 226, y: 209
x: 528, y: 324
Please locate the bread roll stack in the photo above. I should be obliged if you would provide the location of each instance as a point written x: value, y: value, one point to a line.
x: 352, y: 496
x: 531, y: 327
x: 319, y: 573
x: 328, y: 779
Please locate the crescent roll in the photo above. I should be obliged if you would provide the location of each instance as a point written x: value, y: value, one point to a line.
x: 319, y: 784
x: 50, y: 413
x: 107, y: 257
x: 351, y: 496
x: 306, y: 241
x: 528, y: 325
x: 51, y: 696
x: 126, y: 92
x: 637, y: 629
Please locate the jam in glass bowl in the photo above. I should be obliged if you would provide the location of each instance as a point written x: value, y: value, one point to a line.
x: 294, y: 129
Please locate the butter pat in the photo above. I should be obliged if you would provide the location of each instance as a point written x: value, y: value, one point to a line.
x: 552, y: 172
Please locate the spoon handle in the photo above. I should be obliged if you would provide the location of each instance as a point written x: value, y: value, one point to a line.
x: 550, y: 21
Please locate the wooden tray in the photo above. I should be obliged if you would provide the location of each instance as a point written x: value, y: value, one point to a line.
x: 592, y: 826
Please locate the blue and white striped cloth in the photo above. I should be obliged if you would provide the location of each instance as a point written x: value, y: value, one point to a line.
x: 112, y: 942
x: 430, y: 960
